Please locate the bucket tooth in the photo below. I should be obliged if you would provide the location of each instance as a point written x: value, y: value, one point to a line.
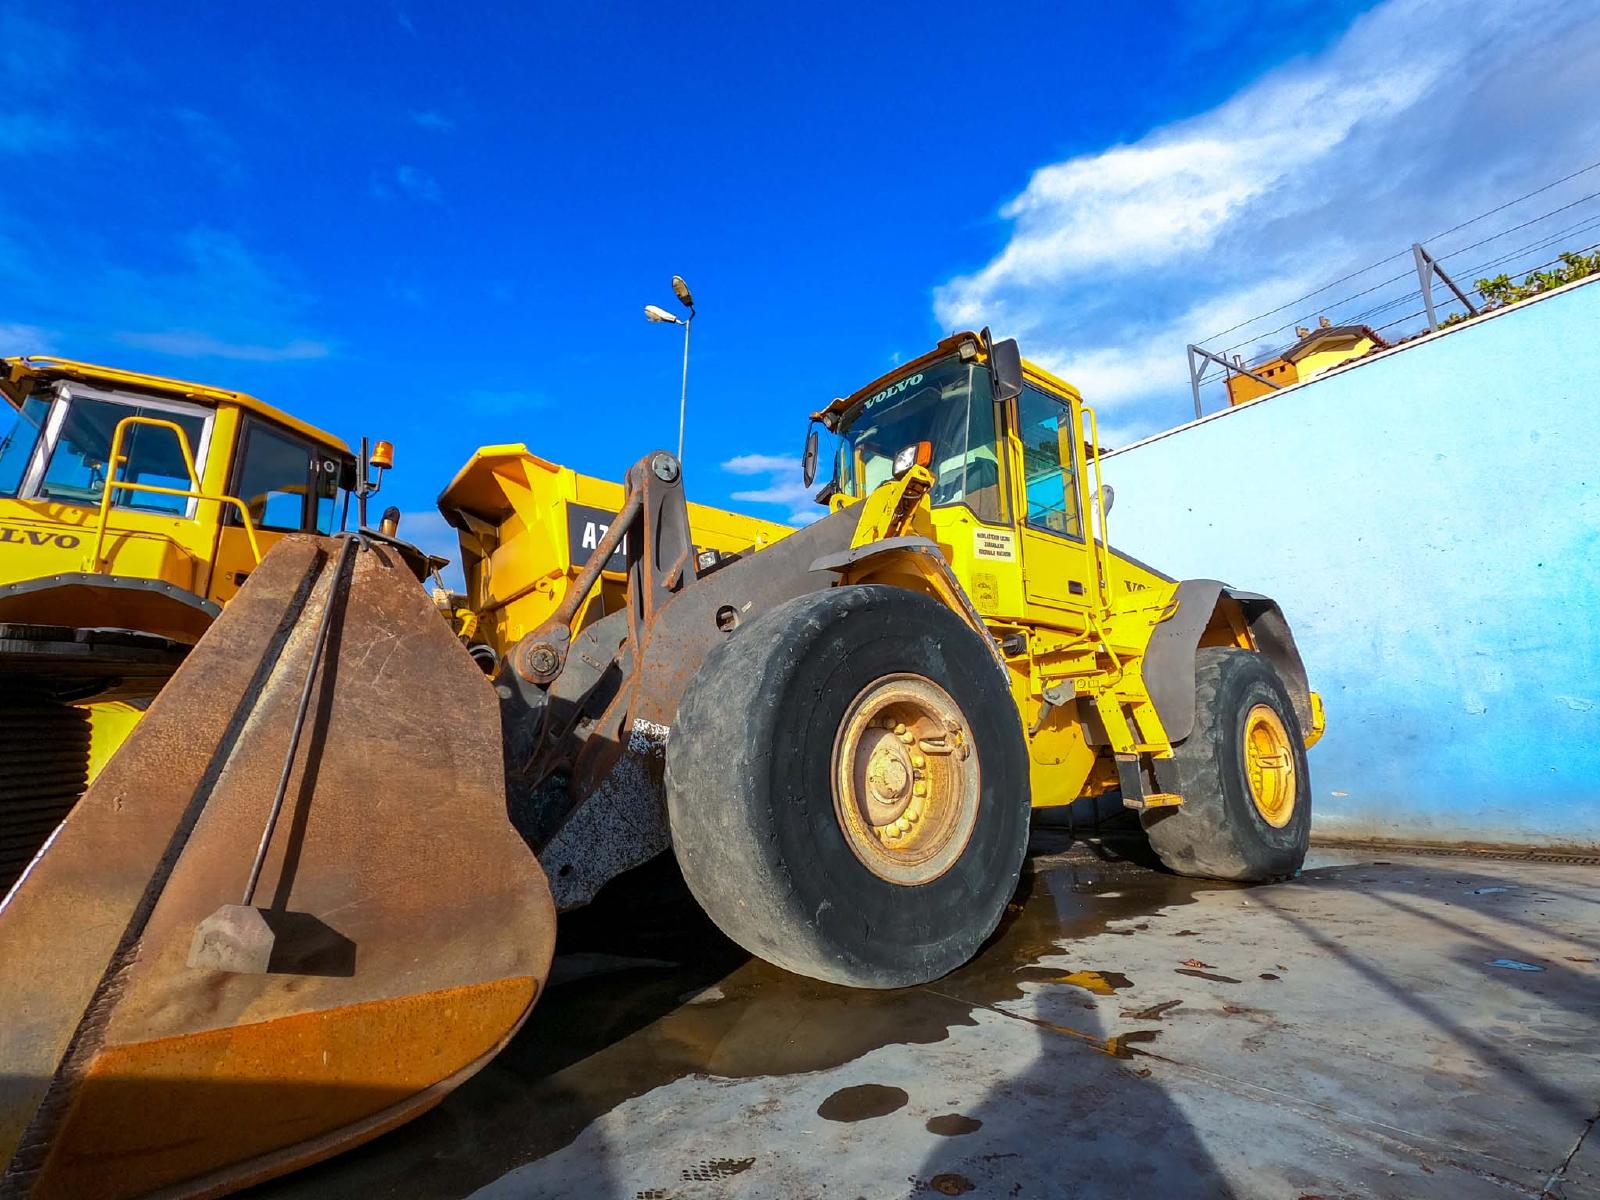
x: 159, y: 1035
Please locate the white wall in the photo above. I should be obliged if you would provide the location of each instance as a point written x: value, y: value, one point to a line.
x: 1430, y: 521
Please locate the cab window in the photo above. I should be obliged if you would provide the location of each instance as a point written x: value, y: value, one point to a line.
x: 20, y: 441
x: 949, y: 404
x: 277, y: 476
x: 76, y: 471
x: 1049, y: 472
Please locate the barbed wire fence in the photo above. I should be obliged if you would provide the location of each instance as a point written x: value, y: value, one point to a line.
x: 1432, y: 290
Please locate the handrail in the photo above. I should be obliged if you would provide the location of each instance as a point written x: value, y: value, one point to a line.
x: 113, y: 484
x: 1102, y: 553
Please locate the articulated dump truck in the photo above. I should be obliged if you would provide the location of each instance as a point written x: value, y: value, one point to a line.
x: 317, y: 886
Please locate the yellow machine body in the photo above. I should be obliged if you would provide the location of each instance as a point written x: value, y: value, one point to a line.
x: 1025, y: 557
x: 527, y: 526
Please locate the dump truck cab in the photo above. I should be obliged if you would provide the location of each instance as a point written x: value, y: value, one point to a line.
x: 139, y: 503
x: 132, y: 508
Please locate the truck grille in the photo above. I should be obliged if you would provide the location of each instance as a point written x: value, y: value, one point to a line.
x: 44, y: 768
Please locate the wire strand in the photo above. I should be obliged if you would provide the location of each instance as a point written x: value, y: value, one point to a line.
x: 1400, y: 254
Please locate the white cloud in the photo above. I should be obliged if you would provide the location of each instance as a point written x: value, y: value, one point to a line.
x: 213, y: 143
x: 433, y: 121
x: 19, y: 338
x: 500, y: 402
x: 417, y: 184
x: 25, y: 133
x: 193, y: 343
x: 411, y: 182
x: 250, y: 310
x: 784, y: 486
x: 1423, y: 113
x: 760, y: 464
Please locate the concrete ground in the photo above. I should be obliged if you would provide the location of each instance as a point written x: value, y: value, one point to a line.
x: 1385, y: 1025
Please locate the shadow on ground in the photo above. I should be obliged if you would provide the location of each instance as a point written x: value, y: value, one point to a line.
x: 647, y: 992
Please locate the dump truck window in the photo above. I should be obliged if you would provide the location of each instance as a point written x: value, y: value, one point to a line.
x: 274, y: 477
x: 16, y: 448
x: 1049, y: 474
x: 76, y: 472
x: 949, y: 404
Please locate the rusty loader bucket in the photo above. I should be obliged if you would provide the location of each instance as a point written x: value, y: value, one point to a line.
x: 290, y: 913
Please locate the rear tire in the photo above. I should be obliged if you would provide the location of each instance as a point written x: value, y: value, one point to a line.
x: 824, y: 886
x: 1246, y: 815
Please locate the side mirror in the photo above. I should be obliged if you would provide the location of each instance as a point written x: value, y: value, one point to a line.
x: 808, y: 460
x: 1108, y: 497
x: 1005, y: 368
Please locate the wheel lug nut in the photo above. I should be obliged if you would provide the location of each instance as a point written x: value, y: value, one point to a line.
x: 899, y: 727
x: 918, y: 762
x: 903, y: 824
x: 919, y: 788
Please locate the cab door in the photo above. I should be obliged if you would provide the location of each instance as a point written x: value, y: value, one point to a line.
x: 1056, y: 563
x: 288, y: 483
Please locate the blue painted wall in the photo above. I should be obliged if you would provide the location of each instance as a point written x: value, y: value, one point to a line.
x: 1430, y: 522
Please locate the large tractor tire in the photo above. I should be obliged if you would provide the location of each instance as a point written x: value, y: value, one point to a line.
x: 847, y: 785
x: 1246, y: 812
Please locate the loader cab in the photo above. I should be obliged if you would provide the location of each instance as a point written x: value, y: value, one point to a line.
x: 133, y: 502
x: 1011, y: 452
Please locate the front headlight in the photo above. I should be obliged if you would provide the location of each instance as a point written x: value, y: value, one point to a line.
x: 918, y: 454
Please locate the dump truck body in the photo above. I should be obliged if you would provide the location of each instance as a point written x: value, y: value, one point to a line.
x: 527, y: 526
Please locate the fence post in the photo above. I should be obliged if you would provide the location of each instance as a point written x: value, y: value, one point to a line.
x: 1427, y: 268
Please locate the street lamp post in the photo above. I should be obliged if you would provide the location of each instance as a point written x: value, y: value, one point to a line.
x: 654, y: 313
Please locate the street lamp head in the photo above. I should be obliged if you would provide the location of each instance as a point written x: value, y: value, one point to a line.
x: 681, y: 290
x: 653, y: 313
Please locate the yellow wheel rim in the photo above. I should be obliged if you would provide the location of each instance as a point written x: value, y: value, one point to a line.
x: 1269, y: 765
x: 905, y: 779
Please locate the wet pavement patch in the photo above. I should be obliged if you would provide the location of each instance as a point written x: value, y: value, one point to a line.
x: 651, y: 992
x: 953, y: 1125
x: 863, y: 1102
x: 1101, y: 983
x: 951, y: 1184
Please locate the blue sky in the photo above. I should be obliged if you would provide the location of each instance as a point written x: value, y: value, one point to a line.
x: 438, y: 224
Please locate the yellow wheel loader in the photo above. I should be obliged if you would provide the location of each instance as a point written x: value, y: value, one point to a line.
x: 306, y: 897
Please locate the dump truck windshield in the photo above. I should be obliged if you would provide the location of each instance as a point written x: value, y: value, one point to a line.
x: 18, y: 442
x: 76, y: 471
x: 948, y: 404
